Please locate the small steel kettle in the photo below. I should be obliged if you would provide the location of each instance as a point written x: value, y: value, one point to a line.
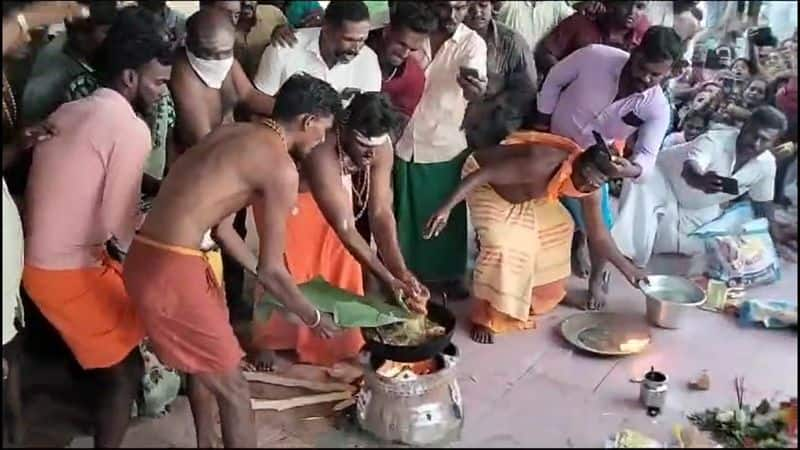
x: 653, y: 391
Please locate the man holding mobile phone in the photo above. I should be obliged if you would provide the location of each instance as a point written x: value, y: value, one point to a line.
x: 691, y: 182
x: 433, y: 149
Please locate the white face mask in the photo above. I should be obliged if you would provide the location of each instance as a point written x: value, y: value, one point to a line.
x: 212, y: 71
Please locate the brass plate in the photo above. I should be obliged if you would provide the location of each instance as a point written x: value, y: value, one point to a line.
x: 605, y: 333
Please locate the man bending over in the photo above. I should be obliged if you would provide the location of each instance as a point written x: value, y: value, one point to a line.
x: 169, y: 278
x: 524, y: 232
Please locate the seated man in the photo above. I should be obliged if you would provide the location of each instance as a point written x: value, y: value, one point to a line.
x: 524, y: 232
x: 84, y: 192
x: 169, y: 278
x: 321, y: 237
x: 684, y: 190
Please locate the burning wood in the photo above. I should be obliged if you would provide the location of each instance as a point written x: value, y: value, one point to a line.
x: 394, y: 369
x: 634, y: 345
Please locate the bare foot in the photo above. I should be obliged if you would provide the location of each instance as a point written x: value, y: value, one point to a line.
x: 481, y: 334
x: 580, y: 256
x: 598, y: 291
x: 259, y: 361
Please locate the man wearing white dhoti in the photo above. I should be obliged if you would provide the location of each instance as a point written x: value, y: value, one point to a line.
x: 684, y: 190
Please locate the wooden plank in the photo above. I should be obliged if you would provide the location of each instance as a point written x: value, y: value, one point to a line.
x: 278, y: 380
x: 295, y: 402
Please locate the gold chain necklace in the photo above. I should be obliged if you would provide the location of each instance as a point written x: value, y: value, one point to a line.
x: 362, y: 195
x: 274, y: 126
x: 9, y: 103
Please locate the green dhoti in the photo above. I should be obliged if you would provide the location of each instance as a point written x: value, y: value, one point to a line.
x: 419, y: 189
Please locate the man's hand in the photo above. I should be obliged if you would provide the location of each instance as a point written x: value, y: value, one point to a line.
x: 624, y: 168
x: 35, y: 134
x: 473, y: 87
x: 436, y: 223
x: 326, y: 328
x: 283, y: 36
x: 635, y: 275
x: 709, y: 182
x: 415, y: 294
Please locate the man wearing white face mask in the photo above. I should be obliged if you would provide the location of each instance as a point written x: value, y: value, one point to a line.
x: 207, y: 82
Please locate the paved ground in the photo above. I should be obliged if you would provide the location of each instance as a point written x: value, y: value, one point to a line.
x: 530, y: 389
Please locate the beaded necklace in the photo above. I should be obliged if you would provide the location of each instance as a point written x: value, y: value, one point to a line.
x: 273, y: 125
x: 9, y: 103
x: 362, y: 195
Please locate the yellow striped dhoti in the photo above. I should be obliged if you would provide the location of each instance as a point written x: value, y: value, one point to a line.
x: 523, y: 258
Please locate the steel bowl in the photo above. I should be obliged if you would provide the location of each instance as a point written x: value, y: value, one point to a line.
x: 670, y: 299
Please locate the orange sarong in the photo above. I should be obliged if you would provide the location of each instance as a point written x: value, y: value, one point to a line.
x: 313, y: 249
x: 524, y: 256
x: 182, y: 305
x: 90, y: 309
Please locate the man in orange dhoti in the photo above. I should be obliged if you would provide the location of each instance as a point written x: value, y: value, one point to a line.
x: 524, y: 233
x: 83, y: 191
x: 322, y: 239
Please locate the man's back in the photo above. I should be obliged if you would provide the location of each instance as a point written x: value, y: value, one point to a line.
x: 84, y: 182
x: 219, y: 176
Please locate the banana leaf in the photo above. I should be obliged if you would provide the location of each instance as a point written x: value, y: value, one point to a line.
x: 349, y: 310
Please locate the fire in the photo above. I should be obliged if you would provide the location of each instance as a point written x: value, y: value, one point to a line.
x: 393, y: 369
x: 634, y: 345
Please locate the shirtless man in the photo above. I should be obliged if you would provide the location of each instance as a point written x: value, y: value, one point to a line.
x: 322, y: 239
x: 524, y: 233
x: 207, y: 85
x: 207, y: 82
x: 167, y: 276
x: 362, y: 146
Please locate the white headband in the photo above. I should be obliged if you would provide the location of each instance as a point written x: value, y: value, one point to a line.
x: 371, y: 141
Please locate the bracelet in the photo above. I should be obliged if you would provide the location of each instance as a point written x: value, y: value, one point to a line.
x: 317, y: 320
x: 23, y: 25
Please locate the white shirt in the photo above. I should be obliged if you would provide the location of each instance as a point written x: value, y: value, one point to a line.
x: 716, y: 151
x: 280, y: 63
x: 12, y: 263
x: 434, y: 133
x: 533, y: 22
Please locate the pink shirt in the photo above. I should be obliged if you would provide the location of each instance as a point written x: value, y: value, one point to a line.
x: 84, y: 183
x: 579, y: 92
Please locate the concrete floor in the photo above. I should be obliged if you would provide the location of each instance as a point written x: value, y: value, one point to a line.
x: 531, y: 389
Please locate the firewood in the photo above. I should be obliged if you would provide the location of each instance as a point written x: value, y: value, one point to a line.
x: 295, y: 402
x: 278, y: 380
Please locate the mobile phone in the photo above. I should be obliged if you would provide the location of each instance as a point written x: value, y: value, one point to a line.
x: 713, y: 60
x: 730, y: 186
x: 727, y: 85
x: 469, y: 71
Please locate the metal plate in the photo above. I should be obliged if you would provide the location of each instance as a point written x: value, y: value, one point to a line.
x: 603, y: 333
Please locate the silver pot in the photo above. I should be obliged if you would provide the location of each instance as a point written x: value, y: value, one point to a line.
x: 670, y: 298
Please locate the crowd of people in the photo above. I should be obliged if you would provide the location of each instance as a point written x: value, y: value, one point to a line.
x: 161, y: 174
